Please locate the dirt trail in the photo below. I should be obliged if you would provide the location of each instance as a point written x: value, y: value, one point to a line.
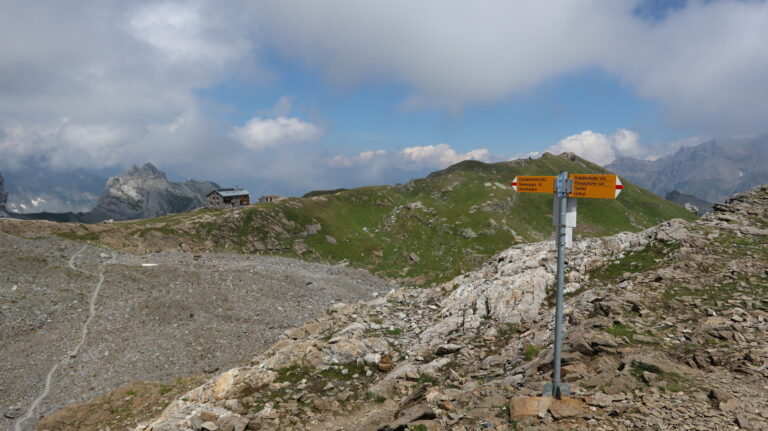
x: 83, y: 336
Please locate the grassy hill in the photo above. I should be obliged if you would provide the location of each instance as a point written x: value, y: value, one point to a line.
x: 427, y: 230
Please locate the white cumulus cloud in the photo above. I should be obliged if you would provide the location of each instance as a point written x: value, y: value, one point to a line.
x: 604, y: 149
x: 439, y: 156
x: 261, y: 133
x: 599, y: 148
x: 356, y: 160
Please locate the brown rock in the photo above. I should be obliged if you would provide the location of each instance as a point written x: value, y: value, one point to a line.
x: 415, y: 413
x: 414, y: 398
x: 568, y: 407
x: 295, y: 333
x: 718, y: 394
x: 385, y: 364
x: 300, y: 248
x: 649, y: 377
x: 731, y: 405
x: 599, y: 399
x: 325, y: 404
x: 743, y: 422
x: 529, y: 406
x: 620, y: 384
x: 583, y: 347
x: 574, y: 370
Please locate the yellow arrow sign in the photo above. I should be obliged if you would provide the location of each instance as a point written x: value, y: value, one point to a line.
x: 584, y: 185
x: 595, y: 186
x: 534, y: 184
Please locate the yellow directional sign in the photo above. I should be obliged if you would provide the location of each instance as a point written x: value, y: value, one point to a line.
x: 584, y: 185
x: 595, y: 186
x: 534, y: 184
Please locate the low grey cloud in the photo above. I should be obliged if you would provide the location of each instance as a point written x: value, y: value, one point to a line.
x: 600, y: 148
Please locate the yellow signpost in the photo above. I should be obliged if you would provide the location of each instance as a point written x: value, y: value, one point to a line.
x: 566, y: 188
x: 592, y: 186
x: 595, y: 186
x: 534, y: 184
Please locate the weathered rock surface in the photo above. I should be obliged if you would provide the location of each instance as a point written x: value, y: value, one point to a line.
x: 144, y: 192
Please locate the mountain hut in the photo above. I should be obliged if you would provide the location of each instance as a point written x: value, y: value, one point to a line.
x: 229, y: 198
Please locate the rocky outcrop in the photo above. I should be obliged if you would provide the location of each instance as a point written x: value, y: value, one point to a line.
x: 141, y: 192
x: 3, y: 197
x: 144, y: 192
x: 690, y: 202
x: 665, y: 329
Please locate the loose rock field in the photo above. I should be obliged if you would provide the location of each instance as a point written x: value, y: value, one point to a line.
x: 185, y: 315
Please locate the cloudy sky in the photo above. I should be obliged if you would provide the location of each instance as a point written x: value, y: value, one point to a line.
x: 288, y: 96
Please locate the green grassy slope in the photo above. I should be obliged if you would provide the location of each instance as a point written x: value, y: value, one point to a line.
x: 429, y: 229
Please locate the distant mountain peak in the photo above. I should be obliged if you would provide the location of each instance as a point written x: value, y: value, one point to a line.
x: 147, y: 170
x: 712, y: 170
x: 143, y: 192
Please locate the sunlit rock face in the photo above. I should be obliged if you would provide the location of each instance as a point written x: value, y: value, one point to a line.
x: 144, y: 192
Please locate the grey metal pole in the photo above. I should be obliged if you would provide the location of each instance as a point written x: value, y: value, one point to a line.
x: 562, y: 196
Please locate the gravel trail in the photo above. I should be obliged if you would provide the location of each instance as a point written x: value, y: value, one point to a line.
x: 17, y: 426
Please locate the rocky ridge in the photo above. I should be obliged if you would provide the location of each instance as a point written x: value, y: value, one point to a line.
x: 711, y: 171
x: 665, y: 329
x: 139, y: 193
x: 690, y: 202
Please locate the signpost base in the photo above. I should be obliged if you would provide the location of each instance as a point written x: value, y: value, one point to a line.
x: 563, y: 389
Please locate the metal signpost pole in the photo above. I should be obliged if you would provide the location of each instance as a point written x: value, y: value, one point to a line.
x: 563, y: 187
x: 594, y: 186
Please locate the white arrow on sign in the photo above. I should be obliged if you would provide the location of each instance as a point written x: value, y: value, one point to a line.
x: 619, y: 186
x: 514, y: 184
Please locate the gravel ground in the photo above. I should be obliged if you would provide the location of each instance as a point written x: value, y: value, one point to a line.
x: 189, y: 314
